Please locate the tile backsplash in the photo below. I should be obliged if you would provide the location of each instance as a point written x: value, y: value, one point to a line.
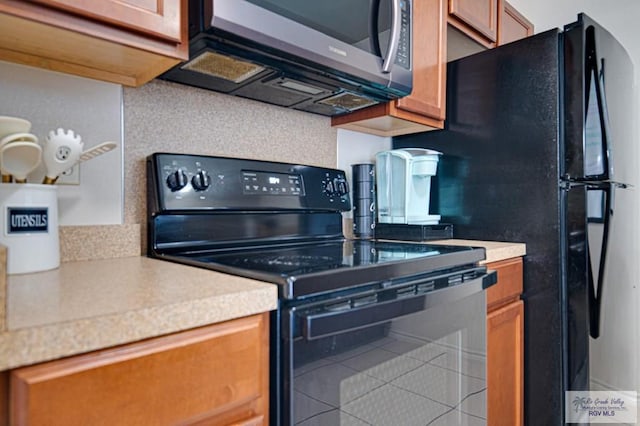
x: 168, y: 117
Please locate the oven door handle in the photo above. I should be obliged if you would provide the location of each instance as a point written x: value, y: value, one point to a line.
x: 325, y: 324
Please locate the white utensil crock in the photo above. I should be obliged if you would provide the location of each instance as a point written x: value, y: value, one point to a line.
x: 29, y: 218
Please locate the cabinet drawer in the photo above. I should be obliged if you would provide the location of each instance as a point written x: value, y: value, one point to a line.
x: 509, y: 285
x: 201, y: 375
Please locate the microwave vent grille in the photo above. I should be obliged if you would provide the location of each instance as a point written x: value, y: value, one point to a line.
x: 348, y: 101
x: 225, y: 67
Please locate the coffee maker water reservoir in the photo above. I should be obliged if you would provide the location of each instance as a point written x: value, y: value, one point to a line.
x: 403, y: 179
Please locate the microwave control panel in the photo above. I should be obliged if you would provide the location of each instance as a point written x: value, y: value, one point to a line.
x: 403, y: 57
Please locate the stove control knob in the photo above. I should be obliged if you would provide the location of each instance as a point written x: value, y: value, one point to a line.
x: 329, y: 188
x: 177, y: 180
x: 341, y: 187
x: 201, y: 180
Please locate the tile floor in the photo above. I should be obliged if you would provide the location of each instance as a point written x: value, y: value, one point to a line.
x: 394, y: 381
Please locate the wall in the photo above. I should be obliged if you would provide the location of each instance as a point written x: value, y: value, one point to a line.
x: 167, y: 117
x: 614, y: 356
x: 355, y: 148
x: 93, y: 110
x: 105, y: 215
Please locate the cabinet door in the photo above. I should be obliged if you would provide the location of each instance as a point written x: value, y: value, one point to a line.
x: 128, y: 43
x: 429, y: 60
x: 505, y: 362
x: 4, y: 398
x: 216, y: 374
x: 512, y: 25
x: 480, y: 15
x: 160, y: 18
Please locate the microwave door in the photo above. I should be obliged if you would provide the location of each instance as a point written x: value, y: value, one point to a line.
x: 385, y: 30
x: 394, y: 37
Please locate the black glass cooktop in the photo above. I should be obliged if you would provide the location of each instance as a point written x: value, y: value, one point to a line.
x: 324, y: 266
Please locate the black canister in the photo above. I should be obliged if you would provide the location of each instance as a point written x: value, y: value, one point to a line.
x: 364, y: 200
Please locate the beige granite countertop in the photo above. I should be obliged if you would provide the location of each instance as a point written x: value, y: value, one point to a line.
x: 494, y: 250
x: 89, y: 305
x: 93, y: 304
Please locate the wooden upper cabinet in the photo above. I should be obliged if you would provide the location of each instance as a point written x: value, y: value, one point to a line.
x: 424, y: 108
x: 159, y: 18
x: 512, y: 25
x: 476, y: 18
x: 429, y: 62
x: 127, y: 42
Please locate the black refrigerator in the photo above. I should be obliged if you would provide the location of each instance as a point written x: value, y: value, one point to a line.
x: 529, y: 154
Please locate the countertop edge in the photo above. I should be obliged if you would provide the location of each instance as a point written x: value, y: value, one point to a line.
x: 494, y: 250
x: 44, y: 343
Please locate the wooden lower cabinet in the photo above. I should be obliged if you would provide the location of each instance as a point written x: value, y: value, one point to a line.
x: 213, y: 375
x: 505, y: 365
x: 505, y: 345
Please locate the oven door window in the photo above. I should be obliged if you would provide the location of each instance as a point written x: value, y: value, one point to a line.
x: 428, y: 367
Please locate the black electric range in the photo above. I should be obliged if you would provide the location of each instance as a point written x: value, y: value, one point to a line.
x: 282, y: 223
x: 275, y: 222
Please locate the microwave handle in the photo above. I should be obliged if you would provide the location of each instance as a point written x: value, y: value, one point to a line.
x: 394, y: 41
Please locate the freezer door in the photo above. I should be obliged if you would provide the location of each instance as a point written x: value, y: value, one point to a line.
x: 598, y: 100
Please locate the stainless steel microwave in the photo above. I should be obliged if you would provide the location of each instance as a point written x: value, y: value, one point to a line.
x: 327, y: 57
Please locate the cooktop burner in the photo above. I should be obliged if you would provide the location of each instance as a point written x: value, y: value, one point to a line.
x: 318, y: 267
x: 286, y: 263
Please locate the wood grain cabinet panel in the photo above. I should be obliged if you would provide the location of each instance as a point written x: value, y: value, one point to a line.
x: 505, y: 345
x: 214, y: 375
x: 4, y: 398
x: 160, y: 18
x: 512, y: 25
x: 476, y: 17
x: 127, y: 42
x: 509, y: 285
x: 505, y: 363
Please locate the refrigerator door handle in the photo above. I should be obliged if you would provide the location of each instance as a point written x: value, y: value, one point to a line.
x: 598, y: 163
x: 596, y: 291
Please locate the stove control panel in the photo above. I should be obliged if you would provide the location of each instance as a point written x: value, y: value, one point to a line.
x: 197, y: 182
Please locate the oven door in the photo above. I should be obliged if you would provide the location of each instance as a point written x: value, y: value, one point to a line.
x: 369, y: 359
